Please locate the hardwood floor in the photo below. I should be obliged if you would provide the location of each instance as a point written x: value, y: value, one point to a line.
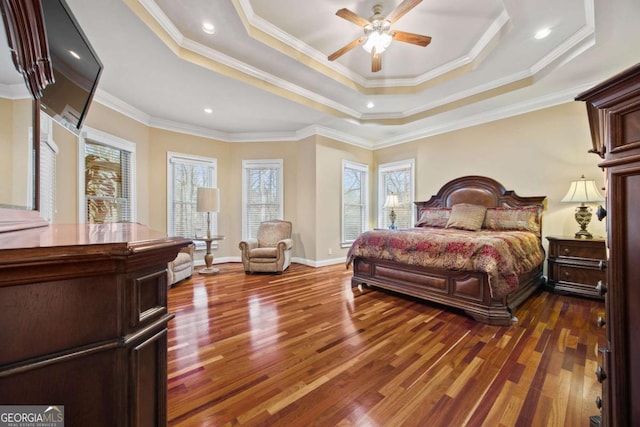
x: 302, y: 349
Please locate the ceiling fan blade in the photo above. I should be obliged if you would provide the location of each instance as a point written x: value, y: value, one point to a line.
x: 352, y: 17
x: 412, y: 38
x: 376, y: 61
x: 402, y: 8
x: 344, y: 49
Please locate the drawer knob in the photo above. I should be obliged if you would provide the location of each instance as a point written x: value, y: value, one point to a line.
x: 601, y: 322
x: 566, y: 274
x: 601, y: 288
x: 567, y: 251
x: 602, y: 265
x: 600, y: 374
x: 599, y: 402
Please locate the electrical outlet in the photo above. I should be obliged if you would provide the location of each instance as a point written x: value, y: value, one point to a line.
x: 330, y: 251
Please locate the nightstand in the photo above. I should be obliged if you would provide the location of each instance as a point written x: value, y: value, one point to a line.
x: 575, y: 266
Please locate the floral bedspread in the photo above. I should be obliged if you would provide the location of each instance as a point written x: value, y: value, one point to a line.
x: 503, y: 255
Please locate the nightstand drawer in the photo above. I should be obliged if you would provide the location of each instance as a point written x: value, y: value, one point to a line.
x: 580, y: 249
x: 573, y: 274
x: 576, y: 265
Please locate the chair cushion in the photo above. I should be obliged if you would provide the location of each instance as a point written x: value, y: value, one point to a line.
x: 263, y: 253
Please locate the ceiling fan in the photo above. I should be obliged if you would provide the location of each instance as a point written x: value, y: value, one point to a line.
x: 378, y: 33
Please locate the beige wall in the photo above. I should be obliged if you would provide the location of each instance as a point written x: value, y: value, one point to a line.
x: 6, y: 148
x: 304, y: 232
x: 15, y: 151
x: 111, y: 122
x: 537, y: 153
x: 328, y: 194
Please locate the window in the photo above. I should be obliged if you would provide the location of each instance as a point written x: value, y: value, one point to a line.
x: 185, y: 173
x: 48, y: 153
x: 396, y: 178
x: 107, y: 178
x: 262, y: 190
x: 355, y: 203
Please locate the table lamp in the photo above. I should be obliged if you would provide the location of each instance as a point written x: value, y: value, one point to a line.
x: 583, y: 191
x: 208, y: 201
x: 392, y: 202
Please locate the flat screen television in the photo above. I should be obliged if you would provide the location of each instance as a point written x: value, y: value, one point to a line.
x: 76, y: 67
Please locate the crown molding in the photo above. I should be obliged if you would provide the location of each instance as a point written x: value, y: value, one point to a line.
x: 16, y: 91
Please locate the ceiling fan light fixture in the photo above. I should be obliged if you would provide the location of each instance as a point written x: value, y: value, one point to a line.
x: 379, y: 39
x: 377, y: 32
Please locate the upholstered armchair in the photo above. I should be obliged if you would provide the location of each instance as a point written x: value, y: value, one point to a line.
x: 182, y: 266
x: 270, y: 251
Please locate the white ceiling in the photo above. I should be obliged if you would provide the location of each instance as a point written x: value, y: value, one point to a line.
x: 266, y: 76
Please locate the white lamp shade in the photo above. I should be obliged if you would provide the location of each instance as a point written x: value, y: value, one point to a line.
x: 208, y: 200
x: 583, y: 191
x: 392, y: 201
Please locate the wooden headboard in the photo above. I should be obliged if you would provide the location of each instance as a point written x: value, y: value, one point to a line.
x: 478, y: 190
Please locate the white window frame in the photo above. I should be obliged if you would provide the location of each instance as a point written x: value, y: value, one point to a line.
x: 47, y: 180
x: 255, y: 164
x: 364, y: 168
x: 100, y: 137
x: 384, y: 168
x: 173, y: 157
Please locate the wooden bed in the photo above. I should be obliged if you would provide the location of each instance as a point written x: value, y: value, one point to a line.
x: 465, y: 290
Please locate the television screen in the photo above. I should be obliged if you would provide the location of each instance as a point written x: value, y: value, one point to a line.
x: 76, y: 67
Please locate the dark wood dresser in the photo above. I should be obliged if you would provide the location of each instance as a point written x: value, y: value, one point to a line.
x: 576, y: 266
x: 613, y: 109
x: 83, y: 322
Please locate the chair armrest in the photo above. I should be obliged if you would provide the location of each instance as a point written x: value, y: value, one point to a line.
x: 285, y: 244
x: 247, y: 245
x: 189, y: 249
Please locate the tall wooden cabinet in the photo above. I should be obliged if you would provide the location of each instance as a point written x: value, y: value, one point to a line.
x: 83, y: 322
x: 613, y: 109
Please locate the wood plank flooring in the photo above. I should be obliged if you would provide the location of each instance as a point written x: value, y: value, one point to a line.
x: 303, y: 349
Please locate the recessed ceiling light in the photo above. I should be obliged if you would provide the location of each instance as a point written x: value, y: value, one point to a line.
x: 75, y: 55
x: 542, y: 33
x: 370, y: 104
x: 208, y: 27
x: 208, y: 110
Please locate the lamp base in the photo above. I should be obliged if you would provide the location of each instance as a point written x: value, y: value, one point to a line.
x: 208, y: 271
x: 583, y: 234
x: 392, y: 218
x: 583, y: 218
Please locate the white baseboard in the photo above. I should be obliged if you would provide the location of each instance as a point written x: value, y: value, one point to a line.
x: 199, y: 261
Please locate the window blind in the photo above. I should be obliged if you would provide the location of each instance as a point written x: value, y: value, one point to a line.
x: 186, y: 175
x: 396, y: 179
x: 263, y: 194
x: 107, y: 184
x: 47, y: 180
x: 354, y: 196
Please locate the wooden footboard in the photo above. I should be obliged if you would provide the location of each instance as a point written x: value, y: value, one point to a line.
x: 465, y: 290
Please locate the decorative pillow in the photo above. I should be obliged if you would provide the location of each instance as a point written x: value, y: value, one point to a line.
x: 466, y: 216
x: 525, y: 219
x: 434, y: 217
